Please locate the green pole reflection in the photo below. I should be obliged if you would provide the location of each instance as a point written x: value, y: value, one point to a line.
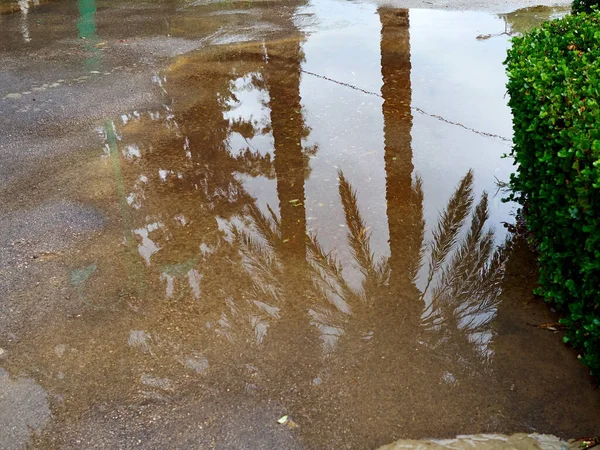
x: 86, y: 27
x: 134, y: 272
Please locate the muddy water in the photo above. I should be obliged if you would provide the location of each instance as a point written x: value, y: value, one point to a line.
x: 244, y: 211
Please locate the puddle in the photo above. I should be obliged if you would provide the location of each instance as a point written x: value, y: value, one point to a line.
x: 306, y: 226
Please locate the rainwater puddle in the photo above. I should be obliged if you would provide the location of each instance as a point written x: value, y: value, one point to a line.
x: 307, y: 225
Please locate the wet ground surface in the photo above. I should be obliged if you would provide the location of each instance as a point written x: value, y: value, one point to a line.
x: 215, y: 215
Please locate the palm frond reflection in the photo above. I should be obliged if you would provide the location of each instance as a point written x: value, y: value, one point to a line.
x: 468, y: 271
x: 462, y: 282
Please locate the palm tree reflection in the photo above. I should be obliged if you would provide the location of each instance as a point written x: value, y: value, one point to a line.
x: 459, y: 301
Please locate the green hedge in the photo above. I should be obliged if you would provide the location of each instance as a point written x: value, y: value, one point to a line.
x: 554, y: 87
x: 584, y: 6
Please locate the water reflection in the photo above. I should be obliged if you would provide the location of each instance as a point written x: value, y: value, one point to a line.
x: 213, y: 187
x: 24, y: 8
x: 524, y: 19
